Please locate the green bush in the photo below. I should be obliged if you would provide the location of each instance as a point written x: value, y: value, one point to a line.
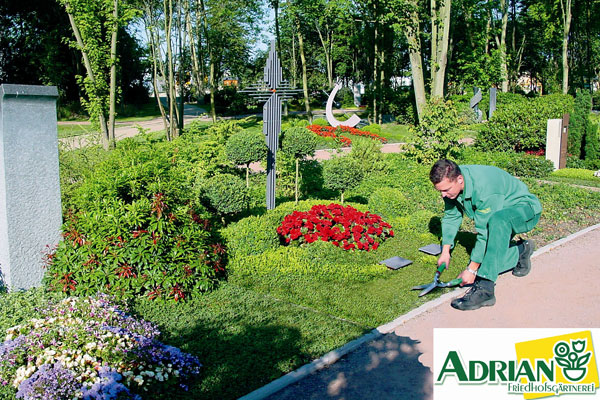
x: 244, y: 148
x: 521, y: 125
x: 437, y: 135
x: 518, y: 164
x: 147, y: 247
x: 298, y: 143
x: 341, y: 174
x: 257, y: 234
x: 592, y: 147
x: 320, y: 121
x: 389, y: 202
x: 576, y: 173
x: 367, y: 152
x: 373, y: 128
x: 580, y: 125
x: 225, y: 193
x: 224, y: 129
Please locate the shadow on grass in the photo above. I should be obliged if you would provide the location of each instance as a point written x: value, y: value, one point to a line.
x: 388, y: 368
x: 236, y: 363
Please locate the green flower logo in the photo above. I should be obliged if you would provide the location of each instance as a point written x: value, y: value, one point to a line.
x: 571, y: 359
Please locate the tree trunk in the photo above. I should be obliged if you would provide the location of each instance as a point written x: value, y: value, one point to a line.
x: 565, y: 6
x: 297, y: 173
x: 416, y: 63
x: 168, y: 12
x: 304, y: 72
x: 155, y: 54
x: 113, y: 76
x: 326, y: 44
x: 503, y: 60
x: 211, y: 74
x: 440, y: 29
x: 90, y: 72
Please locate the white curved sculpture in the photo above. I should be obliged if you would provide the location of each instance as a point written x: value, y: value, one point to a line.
x: 351, y: 122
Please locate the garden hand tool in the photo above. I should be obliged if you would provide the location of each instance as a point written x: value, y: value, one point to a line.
x: 428, y: 287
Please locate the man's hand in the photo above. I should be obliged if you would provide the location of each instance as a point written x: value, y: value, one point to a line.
x: 445, y: 256
x: 467, y: 276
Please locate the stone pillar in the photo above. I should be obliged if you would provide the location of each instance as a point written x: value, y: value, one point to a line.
x: 553, y: 141
x: 492, y: 107
x: 30, y: 207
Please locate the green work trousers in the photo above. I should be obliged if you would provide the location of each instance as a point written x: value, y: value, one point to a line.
x: 502, y: 226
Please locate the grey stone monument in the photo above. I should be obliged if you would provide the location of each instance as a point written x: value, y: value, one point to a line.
x: 30, y: 207
x: 273, y: 90
x: 492, y: 102
x: 477, y: 96
x: 557, y: 133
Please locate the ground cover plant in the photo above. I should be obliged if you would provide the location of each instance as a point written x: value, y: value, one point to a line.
x: 575, y: 176
x: 88, y: 347
x: 280, y: 305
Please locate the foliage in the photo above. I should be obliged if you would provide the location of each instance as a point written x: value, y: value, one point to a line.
x: 345, y: 227
x: 90, y: 348
x: 437, y: 135
x: 320, y: 122
x: 389, y: 202
x: 148, y: 247
x: 521, y: 126
x: 224, y: 129
x: 576, y: 173
x: 592, y: 146
x: 225, y: 193
x: 368, y: 154
x: 298, y: 142
x: 518, y: 164
x: 245, y: 147
x: 342, y: 173
x: 580, y: 125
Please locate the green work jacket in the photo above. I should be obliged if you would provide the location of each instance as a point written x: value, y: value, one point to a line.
x: 487, y: 190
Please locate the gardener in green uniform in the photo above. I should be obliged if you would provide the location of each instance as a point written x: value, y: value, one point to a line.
x: 501, y: 206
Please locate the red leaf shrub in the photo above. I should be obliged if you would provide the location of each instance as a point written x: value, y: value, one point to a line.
x: 345, y: 227
x: 336, y: 133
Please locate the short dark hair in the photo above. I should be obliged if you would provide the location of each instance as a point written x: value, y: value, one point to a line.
x: 444, y: 169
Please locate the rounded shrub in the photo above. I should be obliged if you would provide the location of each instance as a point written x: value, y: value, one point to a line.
x: 225, y: 193
x: 320, y: 121
x: 342, y: 173
x: 245, y: 147
x: 298, y: 142
x: 389, y: 202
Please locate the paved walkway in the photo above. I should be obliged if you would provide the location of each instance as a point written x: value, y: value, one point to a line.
x: 560, y: 292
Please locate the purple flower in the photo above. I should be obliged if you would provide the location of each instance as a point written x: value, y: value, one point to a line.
x: 49, y: 382
x: 108, y: 387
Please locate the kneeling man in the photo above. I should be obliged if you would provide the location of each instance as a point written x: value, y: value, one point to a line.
x: 501, y: 206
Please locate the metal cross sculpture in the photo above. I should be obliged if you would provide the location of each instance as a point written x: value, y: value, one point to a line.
x: 272, y: 91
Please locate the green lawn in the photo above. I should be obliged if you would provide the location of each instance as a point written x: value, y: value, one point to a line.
x: 71, y: 130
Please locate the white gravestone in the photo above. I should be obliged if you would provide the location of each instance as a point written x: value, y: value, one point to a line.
x: 553, y: 141
x: 30, y: 207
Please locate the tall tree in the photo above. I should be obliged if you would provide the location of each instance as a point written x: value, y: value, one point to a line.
x: 565, y: 7
x: 95, y: 25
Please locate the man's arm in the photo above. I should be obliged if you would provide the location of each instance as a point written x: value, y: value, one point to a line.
x: 450, y: 225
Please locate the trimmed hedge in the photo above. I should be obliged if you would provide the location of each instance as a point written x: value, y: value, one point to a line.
x: 521, y: 125
x: 518, y: 164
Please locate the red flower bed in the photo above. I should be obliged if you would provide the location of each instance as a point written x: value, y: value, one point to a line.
x: 336, y: 133
x: 345, y: 227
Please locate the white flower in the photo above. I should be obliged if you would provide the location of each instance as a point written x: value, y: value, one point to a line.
x: 139, y: 379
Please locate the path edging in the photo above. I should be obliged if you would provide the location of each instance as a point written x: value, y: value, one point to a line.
x: 335, y: 355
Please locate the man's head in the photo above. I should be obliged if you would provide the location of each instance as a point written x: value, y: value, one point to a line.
x: 447, y: 178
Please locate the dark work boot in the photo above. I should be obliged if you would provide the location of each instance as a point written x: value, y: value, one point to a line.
x: 523, y: 267
x: 481, y: 294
